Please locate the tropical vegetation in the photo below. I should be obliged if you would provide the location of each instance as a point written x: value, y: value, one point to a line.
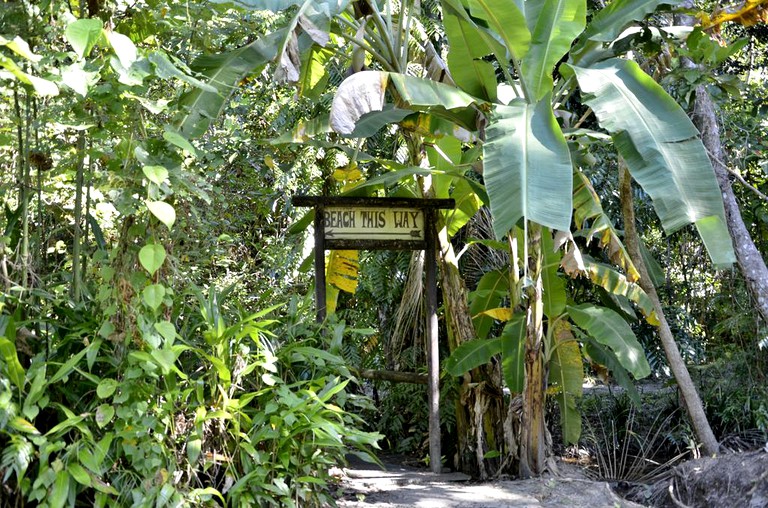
x: 158, y: 343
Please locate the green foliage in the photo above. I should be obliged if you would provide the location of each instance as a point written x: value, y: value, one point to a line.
x: 260, y: 423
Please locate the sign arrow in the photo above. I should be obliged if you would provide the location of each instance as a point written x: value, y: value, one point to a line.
x: 415, y: 233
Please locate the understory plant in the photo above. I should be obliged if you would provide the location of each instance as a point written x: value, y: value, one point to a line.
x: 628, y: 443
x: 224, y: 411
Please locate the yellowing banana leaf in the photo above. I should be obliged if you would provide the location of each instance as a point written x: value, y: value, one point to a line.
x: 567, y: 374
x: 586, y: 206
x: 342, y: 270
x: 616, y: 283
x: 500, y: 313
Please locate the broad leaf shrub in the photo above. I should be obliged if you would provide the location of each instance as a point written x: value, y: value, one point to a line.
x: 215, y: 414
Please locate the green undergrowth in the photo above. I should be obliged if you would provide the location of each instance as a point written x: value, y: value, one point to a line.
x: 214, y: 407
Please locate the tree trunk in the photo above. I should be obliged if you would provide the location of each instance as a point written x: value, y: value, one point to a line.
x: 533, y: 446
x: 749, y: 259
x: 691, y: 397
x: 480, y: 406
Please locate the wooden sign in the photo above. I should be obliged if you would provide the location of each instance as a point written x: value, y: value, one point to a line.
x: 385, y: 223
x: 365, y: 223
x: 372, y: 223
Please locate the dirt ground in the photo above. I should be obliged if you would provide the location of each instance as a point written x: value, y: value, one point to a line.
x: 731, y: 480
x: 366, y: 486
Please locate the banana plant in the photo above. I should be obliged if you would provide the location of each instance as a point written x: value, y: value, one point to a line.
x: 527, y: 165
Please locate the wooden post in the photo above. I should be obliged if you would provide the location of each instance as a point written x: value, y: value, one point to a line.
x: 433, y: 355
x: 320, y: 297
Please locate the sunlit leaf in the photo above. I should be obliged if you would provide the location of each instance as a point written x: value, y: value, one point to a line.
x: 164, y: 212
x: 152, y: 257
x: 59, y: 490
x: 467, y: 47
x: 554, y: 24
x: 83, y: 34
x: 124, y: 48
x: 609, y: 21
x: 180, y: 141
x: 342, y: 270
x: 662, y: 150
x: 507, y: 20
x: 106, y: 388
x: 167, y: 330
x: 359, y: 94
x: 104, y: 415
x: 155, y: 174
x: 527, y: 167
x: 21, y: 425
x: 12, y: 365
x: 499, y: 313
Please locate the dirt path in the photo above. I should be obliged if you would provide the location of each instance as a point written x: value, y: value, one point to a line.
x: 367, y: 486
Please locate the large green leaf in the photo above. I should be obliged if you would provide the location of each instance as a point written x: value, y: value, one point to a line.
x: 472, y: 354
x: 370, y: 123
x: 491, y: 290
x: 513, y: 353
x: 425, y: 93
x: 527, y: 167
x: 606, y: 25
x: 314, y: 72
x: 467, y: 47
x: 83, y: 34
x: 507, y: 20
x: 13, y: 367
x: 566, y: 376
x: 554, y: 24
x: 608, y: 328
x: 224, y: 71
x: 662, y: 150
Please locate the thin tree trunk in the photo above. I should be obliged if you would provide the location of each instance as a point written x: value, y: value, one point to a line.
x: 749, y: 259
x: 691, y: 397
x: 77, y: 240
x: 23, y: 180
